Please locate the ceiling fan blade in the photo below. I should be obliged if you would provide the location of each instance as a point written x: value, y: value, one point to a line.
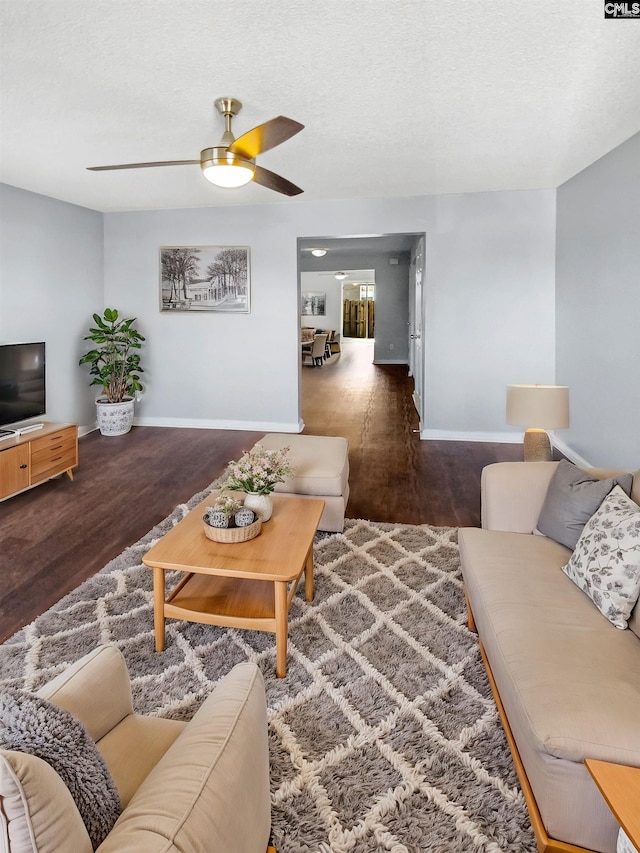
x: 265, y: 136
x: 275, y: 182
x: 143, y: 165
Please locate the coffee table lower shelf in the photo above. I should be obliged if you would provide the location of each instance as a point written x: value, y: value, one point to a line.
x: 231, y: 602
x: 228, y: 602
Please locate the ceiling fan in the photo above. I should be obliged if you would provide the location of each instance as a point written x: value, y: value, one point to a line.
x: 231, y: 163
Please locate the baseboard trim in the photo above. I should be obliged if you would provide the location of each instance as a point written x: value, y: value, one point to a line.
x: 86, y: 429
x: 502, y: 438
x: 574, y: 457
x: 390, y: 361
x: 454, y: 435
x: 197, y: 423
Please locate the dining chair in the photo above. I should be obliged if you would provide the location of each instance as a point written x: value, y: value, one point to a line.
x: 316, y: 356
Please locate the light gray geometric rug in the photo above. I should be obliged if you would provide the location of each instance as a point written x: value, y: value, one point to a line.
x: 383, y: 735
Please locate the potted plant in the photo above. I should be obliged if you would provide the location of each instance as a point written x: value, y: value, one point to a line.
x: 115, y: 366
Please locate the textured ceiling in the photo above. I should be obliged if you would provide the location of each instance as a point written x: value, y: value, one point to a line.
x: 399, y: 97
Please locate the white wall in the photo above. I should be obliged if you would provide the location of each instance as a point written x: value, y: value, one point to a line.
x: 489, y: 312
x: 51, y: 282
x: 598, y: 307
x: 489, y: 308
x: 489, y: 303
x: 489, y: 316
x: 237, y: 371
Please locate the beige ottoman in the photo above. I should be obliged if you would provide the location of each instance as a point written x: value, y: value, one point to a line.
x: 322, y: 471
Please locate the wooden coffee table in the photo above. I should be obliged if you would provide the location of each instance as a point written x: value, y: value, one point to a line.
x: 241, y: 585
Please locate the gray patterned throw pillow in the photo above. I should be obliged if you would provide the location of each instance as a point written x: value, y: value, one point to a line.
x: 606, y: 560
x: 33, y: 725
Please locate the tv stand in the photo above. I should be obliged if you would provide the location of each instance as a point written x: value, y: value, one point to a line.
x: 38, y: 455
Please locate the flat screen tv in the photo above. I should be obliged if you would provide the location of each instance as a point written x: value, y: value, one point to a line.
x: 22, y: 382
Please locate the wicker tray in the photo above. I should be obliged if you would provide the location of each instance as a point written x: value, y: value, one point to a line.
x: 233, y: 534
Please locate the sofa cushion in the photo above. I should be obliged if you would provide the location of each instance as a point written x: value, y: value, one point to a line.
x: 211, y: 789
x: 568, y: 677
x: 572, y: 498
x: 134, y: 747
x: 606, y: 561
x: 31, y: 724
x: 95, y: 689
x: 37, y: 811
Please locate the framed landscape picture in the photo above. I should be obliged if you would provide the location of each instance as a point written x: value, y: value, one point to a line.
x: 314, y: 304
x: 204, y: 278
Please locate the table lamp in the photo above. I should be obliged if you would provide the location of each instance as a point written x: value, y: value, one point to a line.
x: 539, y: 408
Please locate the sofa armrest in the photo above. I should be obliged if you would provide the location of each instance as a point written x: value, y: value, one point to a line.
x: 95, y: 689
x: 512, y: 494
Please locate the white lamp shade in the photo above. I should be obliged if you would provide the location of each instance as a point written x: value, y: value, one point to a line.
x: 538, y: 406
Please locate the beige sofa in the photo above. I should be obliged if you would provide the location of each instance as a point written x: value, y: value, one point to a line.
x: 567, y: 682
x: 188, y: 787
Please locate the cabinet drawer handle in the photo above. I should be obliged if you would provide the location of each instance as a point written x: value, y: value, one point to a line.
x: 56, y: 458
x: 23, y: 466
x: 57, y: 447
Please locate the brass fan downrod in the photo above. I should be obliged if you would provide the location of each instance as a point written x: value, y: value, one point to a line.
x: 219, y: 155
x: 227, y: 107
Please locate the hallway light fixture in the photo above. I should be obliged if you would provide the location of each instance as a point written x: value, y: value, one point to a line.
x: 341, y: 275
x: 539, y: 408
x: 319, y: 253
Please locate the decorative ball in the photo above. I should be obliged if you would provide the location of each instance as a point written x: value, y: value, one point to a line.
x: 244, y: 517
x: 216, y: 518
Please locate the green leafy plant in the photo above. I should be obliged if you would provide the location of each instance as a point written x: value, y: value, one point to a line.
x: 115, y: 364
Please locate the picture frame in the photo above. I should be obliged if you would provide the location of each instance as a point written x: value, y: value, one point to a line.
x: 314, y: 304
x: 205, y: 278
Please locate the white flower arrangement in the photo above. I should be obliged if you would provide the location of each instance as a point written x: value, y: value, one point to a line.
x: 227, y: 504
x: 259, y: 470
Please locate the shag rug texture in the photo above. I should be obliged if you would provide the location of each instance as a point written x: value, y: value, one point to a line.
x: 383, y: 735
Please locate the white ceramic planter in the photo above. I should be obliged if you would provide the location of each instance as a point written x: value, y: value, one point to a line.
x: 262, y: 503
x: 114, y: 418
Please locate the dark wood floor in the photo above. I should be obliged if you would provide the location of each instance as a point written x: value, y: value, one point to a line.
x: 395, y: 476
x: 58, y: 534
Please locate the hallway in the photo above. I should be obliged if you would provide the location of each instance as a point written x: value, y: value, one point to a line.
x: 394, y: 476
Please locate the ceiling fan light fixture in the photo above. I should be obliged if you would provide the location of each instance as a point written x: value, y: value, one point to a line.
x: 341, y: 275
x: 319, y: 253
x: 224, y: 169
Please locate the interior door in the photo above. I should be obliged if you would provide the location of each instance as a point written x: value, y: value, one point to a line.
x: 415, y: 330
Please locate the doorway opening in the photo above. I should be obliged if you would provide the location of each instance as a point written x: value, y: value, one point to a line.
x: 365, y: 287
x: 340, y: 303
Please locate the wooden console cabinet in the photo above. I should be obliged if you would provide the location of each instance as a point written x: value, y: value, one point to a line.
x: 30, y: 459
